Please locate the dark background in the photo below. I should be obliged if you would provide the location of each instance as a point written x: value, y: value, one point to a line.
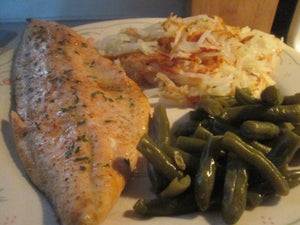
x: 283, y: 18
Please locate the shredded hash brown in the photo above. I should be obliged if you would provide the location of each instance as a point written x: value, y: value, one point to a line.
x: 186, y: 58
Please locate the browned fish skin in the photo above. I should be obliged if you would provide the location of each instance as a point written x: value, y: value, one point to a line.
x: 77, y: 121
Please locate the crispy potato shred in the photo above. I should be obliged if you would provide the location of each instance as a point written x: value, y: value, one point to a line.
x: 186, y: 58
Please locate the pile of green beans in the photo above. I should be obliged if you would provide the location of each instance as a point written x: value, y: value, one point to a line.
x: 232, y: 155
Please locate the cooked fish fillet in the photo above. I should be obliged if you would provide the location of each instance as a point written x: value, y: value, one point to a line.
x: 77, y: 121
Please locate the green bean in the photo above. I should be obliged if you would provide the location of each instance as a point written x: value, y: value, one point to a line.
x: 283, y: 113
x: 198, y: 115
x: 296, y: 129
x: 179, y: 161
x: 161, y: 126
x: 258, y: 191
x: 202, y: 133
x: 207, y: 123
x: 232, y: 142
x: 246, y: 90
x: 157, y: 179
x: 294, y: 181
x: 279, y: 113
x: 190, y: 161
x: 237, y: 114
x: 205, y: 177
x: 231, y: 172
x: 225, y: 101
x: 182, y: 204
x: 235, y: 190
x: 291, y: 99
x: 217, y: 193
x: 158, y: 158
x: 293, y: 177
x: 220, y: 127
x: 271, y: 96
x: 284, y: 149
x: 244, y: 96
x: 254, y: 199
x: 285, y: 126
x: 210, y: 106
x: 185, y: 129
x: 260, y: 147
x: 190, y: 144
x: 176, y: 187
x: 257, y: 194
x: 259, y: 130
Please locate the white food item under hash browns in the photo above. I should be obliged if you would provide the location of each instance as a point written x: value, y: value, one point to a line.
x: 190, y: 57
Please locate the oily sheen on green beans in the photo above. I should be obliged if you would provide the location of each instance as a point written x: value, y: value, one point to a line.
x: 232, y: 155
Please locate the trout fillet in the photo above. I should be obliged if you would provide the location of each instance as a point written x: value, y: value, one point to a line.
x: 77, y: 121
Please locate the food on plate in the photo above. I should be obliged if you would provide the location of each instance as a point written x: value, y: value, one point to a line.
x: 234, y: 162
x: 77, y: 121
x: 190, y: 57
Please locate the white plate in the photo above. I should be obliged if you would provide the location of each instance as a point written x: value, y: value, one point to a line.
x: 22, y: 204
